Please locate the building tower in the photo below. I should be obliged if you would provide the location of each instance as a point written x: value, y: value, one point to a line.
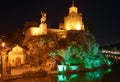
x: 74, y: 20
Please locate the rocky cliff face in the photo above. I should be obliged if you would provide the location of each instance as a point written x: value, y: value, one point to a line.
x: 75, y: 47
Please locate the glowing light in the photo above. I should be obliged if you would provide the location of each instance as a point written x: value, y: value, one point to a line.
x: 73, y: 76
x: 62, y: 78
x: 78, y: 27
x: 94, y: 75
x: 73, y: 67
x: 61, y: 68
x: 73, y: 25
x: 35, y: 31
x: 109, y: 62
x: 108, y: 70
x: 3, y: 44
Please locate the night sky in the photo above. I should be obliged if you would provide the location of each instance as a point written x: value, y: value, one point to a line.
x: 103, y: 14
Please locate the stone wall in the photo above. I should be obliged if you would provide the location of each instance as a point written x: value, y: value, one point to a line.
x: 23, y: 69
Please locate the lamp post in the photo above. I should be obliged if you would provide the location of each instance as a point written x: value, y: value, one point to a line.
x: 3, y: 53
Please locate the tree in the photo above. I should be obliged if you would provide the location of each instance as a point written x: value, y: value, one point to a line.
x: 39, y: 47
x: 14, y: 37
x: 90, y: 27
x: 18, y: 37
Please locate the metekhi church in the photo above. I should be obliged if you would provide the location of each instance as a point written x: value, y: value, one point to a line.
x: 72, y: 22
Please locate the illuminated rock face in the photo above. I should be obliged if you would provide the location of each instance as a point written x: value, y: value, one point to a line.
x: 74, y: 48
x: 73, y: 21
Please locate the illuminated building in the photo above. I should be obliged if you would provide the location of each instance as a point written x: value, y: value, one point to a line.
x: 71, y: 42
x: 16, y: 57
x: 74, y: 20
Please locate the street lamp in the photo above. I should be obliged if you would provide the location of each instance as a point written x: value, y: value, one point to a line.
x: 3, y: 45
x: 3, y: 53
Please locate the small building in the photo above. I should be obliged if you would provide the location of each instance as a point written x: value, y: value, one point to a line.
x: 16, y: 56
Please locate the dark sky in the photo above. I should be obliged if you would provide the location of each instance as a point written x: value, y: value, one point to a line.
x: 103, y: 14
